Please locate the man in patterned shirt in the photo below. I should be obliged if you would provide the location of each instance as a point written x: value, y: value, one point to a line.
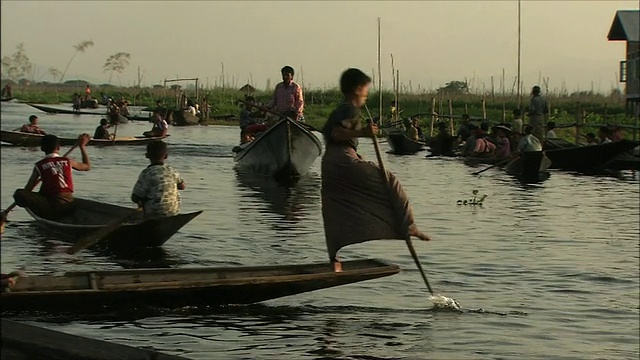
x: 157, y: 186
x: 287, y: 97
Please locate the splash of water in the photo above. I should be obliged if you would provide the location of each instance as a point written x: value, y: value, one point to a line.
x: 443, y: 302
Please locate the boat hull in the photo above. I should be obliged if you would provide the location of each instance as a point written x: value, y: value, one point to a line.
x: 285, y: 151
x: 588, y: 159
x: 17, y: 138
x: 530, y: 167
x: 51, y: 110
x: 170, y: 288
x: 400, y: 144
x: 90, y: 216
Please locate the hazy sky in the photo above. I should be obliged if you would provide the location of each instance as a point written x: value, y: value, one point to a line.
x: 433, y: 42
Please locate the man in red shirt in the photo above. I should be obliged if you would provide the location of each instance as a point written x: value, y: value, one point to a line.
x: 55, y: 198
x: 287, y: 97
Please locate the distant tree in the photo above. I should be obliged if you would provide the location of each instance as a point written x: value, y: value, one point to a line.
x: 79, y: 47
x: 17, y: 65
x: 116, y: 62
x: 55, y: 73
x: 454, y: 87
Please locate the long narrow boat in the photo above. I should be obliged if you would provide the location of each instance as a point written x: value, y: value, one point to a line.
x: 285, y: 151
x: 401, y: 145
x: 530, y: 167
x: 6, y: 99
x: 181, y: 118
x: 588, y: 159
x: 22, y: 341
x: 18, y: 138
x: 52, y: 110
x: 90, y: 216
x: 171, y: 288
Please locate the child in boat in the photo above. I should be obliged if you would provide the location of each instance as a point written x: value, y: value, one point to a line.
x: 503, y: 144
x: 160, y: 126
x: 101, y: 131
x: 359, y: 202
x: 55, y: 198
x: 158, y: 184
x: 550, y: 127
x: 32, y: 127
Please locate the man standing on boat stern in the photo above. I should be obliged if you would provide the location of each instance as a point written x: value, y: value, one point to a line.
x: 55, y: 198
x: 538, y: 112
x: 287, y: 97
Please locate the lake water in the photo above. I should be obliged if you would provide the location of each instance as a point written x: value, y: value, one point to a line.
x: 542, y: 272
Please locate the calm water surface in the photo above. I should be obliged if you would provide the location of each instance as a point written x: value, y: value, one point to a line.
x: 543, y: 272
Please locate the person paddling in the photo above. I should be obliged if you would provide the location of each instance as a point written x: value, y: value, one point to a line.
x: 158, y: 184
x: 287, y: 97
x: 55, y: 198
x: 101, y: 131
x: 32, y: 127
x: 160, y: 126
x: 357, y: 204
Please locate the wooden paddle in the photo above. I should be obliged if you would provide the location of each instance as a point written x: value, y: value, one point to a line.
x: 101, y: 233
x: 8, y: 210
x: 383, y: 173
x: 507, y: 160
x: 265, y: 109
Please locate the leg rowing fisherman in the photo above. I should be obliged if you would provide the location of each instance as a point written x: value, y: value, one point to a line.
x: 357, y: 204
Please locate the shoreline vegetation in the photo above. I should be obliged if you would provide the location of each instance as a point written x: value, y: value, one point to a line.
x: 587, y: 108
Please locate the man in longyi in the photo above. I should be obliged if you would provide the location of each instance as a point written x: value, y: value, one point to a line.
x: 358, y: 203
x: 538, y: 112
x: 287, y: 97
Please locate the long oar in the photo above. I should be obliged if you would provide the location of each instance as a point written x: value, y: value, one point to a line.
x: 496, y: 164
x: 7, y: 210
x: 101, y: 233
x: 265, y: 109
x: 407, y: 238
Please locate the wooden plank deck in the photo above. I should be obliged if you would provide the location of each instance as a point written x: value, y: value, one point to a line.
x: 27, y: 342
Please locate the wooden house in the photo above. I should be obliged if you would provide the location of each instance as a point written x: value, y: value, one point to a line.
x: 626, y: 27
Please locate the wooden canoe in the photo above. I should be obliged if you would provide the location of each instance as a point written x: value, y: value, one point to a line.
x: 52, y: 110
x: 90, y: 216
x: 171, y: 288
x: 401, y: 145
x: 23, y: 342
x: 285, y: 151
x: 18, y: 138
x: 181, y: 118
x: 588, y: 159
x: 530, y: 167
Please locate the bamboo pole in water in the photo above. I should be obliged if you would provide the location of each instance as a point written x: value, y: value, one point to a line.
x: 397, y: 95
x: 579, y: 119
x: 519, y: 47
x: 484, y: 107
x: 433, y: 115
x: 380, y: 108
x: 451, y: 125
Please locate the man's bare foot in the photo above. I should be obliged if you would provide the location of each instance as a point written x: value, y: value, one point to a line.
x: 419, y: 234
x: 337, y: 266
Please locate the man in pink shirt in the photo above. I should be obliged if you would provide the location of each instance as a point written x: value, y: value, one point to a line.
x: 287, y: 97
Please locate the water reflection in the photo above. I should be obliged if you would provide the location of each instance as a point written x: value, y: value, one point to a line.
x: 291, y: 203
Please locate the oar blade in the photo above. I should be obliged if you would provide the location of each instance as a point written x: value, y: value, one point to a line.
x: 101, y: 233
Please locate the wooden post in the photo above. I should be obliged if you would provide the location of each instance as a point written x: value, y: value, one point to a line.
x: 504, y: 113
x: 380, y: 107
x: 433, y: 116
x: 519, y: 99
x: 579, y: 120
x: 451, y: 125
x: 493, y: 94
x: 397, y: 95
x: 466, y: 109
x: 484, y: 108
x: 605, y: 114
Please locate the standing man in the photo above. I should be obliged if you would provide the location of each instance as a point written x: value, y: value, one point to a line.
x: 287, y: 97
x: 538, y: 112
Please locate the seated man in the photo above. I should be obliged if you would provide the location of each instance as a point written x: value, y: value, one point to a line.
x: 160, y: 126
x: 101, y: 131
x: 32, y: 127
x: 411, y: 131
x: 529, y: 142
x: 158, y: 184
x: 55, y: 198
